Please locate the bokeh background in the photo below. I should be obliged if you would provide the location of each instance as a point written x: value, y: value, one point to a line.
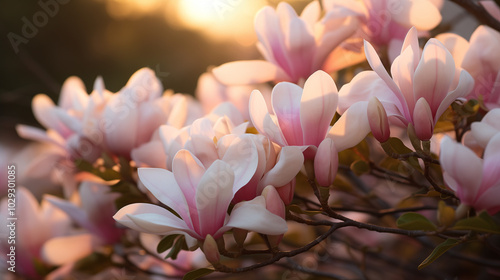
x: 179, y: 39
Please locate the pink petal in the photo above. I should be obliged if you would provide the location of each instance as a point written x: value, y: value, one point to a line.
x: 377, y: 118
x: 43, y: 109
x: 150, y: 154
x: 317, y: 107
x: 326, y: 163
x: 162, y: 184
x: 402, y: 70
x: 36, y: 134
x: 464, y: 87
x: 203, y: 148
x: 149, y: 218
x: 73, y: 94
x: 143, y: 86
x: 286, y: 104
x: 434, y: 74
x: 311, y: 13
x: 248, y: 72
x: 463, y: 166
x: 288, y: 165
x: 491, y: 167
x: 74, y: 212
x: 213, y: 196
x: 253, y: 216
x: 423, y: 120
x: 378, y: 67
x: 187, y: 170
x: 365, y: 85
x: 242, y: 157
x: 262, y: 120
x: 178, y: 115
x: 488, y: 200
x: 351, y: 128
x: 121, y: 126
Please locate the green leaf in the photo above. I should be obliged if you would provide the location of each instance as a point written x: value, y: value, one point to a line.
x: 166, y: 243
x: 438, y: 251
x: 415, y: 221
x: 179, y: 245
x: 295, y: 208
x: 200, y: 272
x: 395, y: 146
x: 481, y: 223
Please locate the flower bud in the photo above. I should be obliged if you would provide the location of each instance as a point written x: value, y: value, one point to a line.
x: 326, y: 162
x: 286, y: 192
x: 211, y: 250
x: 275, y: 205
x: 423, y: 120
x: 377, y: 118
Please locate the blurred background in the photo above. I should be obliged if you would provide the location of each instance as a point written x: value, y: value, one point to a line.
x: 44, y: 42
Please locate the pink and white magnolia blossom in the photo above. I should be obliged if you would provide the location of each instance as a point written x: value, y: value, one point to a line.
x: 133, y: 114
x: 183, y: 111
x: 481, y: 59
x: 210, y: 92
x: 36, y: 224
x: 422, y: 86
x: 72, y: 130
x: 489, y: 126
x: 383, y: 23
x: 274, y: 165
x: 202, y: 136
x: 302, y: 116
x: 201, y: 197
x: 476, y: 181
x: 92, y: 209
x: 293, y: 46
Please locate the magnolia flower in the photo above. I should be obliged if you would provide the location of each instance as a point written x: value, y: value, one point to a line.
x: 481, y: 59
x: 72, y: 129
x: 134, y: 113
x: 183, y: 111
x: 489, y: 126
x: 294, y: 46
x: 476, y: 181
x: 384, y: 23
x: 302, y: 116
x: 211, y: 93
x: 36, y: 224
x: 93, y: 211
x: 201, y: 198
x: 421, y: 89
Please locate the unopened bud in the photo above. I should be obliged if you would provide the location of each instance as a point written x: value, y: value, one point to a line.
x: 423, y: 121
x: 286, y: 192
x: 275, y: 205
x: 211, y: 250
x: 377, y: 118
x: 326, y: 163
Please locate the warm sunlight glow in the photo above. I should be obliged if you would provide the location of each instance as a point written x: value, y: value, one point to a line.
x: 218, y: 19
x: 131, y: 8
